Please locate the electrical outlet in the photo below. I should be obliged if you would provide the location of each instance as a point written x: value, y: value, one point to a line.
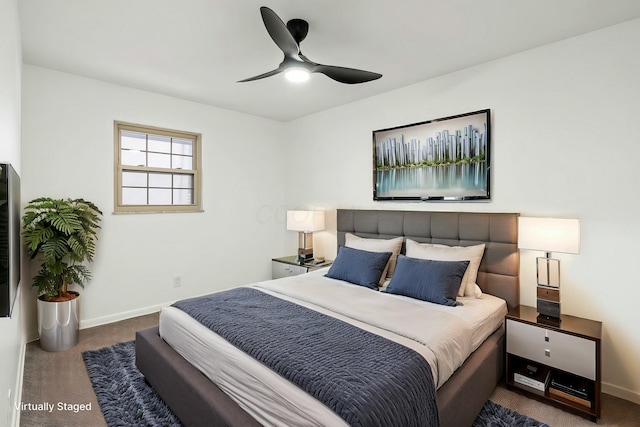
x: 177, y: 281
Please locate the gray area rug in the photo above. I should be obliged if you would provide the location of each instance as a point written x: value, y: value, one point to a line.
x: 127, y: 400
x: 495, y: 415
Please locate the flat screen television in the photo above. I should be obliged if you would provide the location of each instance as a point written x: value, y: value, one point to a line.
x: 445, y: 159
x: 9, y: 238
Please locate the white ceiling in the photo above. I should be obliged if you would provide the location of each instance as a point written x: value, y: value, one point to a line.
x: 198, y: 49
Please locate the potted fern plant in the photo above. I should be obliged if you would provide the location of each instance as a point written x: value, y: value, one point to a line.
x: 61, y: 234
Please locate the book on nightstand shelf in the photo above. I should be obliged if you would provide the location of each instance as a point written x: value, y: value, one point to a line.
x: 531, y: 375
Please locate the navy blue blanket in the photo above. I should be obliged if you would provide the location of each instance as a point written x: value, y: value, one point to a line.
x: 366, y: 379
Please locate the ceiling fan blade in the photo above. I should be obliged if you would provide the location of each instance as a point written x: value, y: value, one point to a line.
x: 262, y: 76
x: 279, y: 32
x: 346, y: 75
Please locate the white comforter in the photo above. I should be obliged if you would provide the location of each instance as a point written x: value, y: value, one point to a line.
x: 444, y: 336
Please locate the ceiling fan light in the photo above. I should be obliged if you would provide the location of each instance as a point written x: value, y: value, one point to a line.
x: 296, y: 74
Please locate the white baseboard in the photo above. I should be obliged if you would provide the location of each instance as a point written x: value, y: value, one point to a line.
x: 32, y: 336
x: 16, y: 399
x: 98, y: 321
x: 621, y: 392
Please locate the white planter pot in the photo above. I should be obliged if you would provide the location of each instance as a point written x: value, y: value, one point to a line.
x: 58, y: 324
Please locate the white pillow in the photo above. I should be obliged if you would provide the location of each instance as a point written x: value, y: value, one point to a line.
x: 473, y: 254
x: 477, y: 292
x: 377, y: 245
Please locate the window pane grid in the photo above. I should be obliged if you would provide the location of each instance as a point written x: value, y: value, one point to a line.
x: 156, y: 169
x: 177, y: 190
x: 157, y: 151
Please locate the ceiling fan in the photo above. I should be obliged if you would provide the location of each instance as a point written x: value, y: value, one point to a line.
x: 295, y: 65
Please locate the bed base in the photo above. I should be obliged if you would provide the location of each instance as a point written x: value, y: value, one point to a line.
x: 197, y: 401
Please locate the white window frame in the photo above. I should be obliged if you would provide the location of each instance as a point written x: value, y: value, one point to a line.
x: 120, y: 168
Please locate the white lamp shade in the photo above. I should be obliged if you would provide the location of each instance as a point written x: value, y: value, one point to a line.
x: 305, y: 221
x: 549, y: 234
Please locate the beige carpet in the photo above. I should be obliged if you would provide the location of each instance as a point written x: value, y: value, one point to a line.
x: 62, y: 377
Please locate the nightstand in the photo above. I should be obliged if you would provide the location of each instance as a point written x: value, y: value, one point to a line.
x: 289, y: 266
x: 569, y: 350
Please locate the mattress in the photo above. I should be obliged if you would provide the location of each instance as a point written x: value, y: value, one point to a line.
x: 444, y: 336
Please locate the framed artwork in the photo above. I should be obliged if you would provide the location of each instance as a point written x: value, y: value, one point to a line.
x: 445, y: 159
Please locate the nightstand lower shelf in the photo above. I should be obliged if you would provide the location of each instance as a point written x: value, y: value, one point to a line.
x: 584, y: 406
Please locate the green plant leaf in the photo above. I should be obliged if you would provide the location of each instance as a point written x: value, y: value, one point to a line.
x: 61, y: 233
x: 55, y: 249
x: 65, y: 221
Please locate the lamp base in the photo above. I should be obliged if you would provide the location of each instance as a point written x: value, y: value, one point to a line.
x: 548, y: 271
x: 548, y: 302
x: 551, y: 321
x: 305, y: 255
x: 305, y: 247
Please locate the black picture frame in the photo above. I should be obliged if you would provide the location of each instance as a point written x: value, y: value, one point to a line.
x: 445, y: 159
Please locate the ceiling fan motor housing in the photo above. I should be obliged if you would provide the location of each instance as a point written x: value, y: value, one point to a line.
x: 299, y: 28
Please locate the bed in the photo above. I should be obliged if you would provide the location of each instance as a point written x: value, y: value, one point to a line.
x: 462, y: 388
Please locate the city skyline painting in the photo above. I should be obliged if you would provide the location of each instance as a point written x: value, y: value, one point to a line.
x: 445, y: 159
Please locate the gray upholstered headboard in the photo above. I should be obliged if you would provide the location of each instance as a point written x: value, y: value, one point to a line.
x: 499, y: 270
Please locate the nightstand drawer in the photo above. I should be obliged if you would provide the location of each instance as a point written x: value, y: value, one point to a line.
x: 279, y: 269
x: 559, y: 350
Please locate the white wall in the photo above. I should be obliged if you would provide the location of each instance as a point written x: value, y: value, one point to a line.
x: 68, y: 152
x: 11, y: 329
x: 565, y: 144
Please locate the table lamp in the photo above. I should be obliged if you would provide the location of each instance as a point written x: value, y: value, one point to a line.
x: 305, y: 223
x: 549, y: 235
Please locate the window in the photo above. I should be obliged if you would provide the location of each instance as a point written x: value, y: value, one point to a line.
x: 157, y: 170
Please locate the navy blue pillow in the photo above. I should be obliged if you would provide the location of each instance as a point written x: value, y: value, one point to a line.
x: 359, y: 267
x: 428, y: 280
